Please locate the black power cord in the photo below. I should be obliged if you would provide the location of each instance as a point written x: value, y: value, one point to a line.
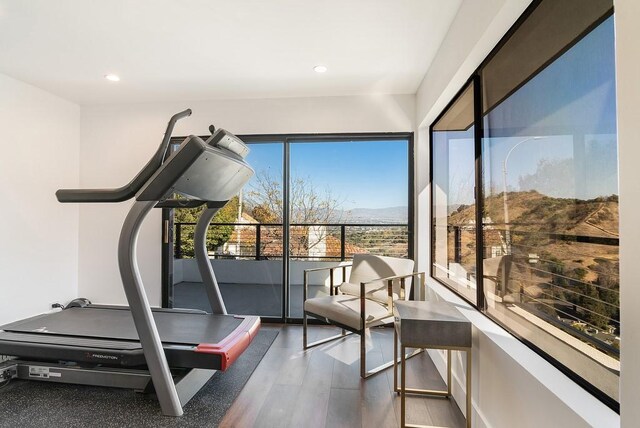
x: 6, y: 375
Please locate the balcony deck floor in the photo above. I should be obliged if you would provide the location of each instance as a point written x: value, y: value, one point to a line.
x: 321, y: 387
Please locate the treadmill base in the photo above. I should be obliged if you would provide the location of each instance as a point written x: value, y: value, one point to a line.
x: 188, y: 382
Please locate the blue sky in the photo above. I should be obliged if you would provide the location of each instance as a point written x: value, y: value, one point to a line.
x: 361, y: 174
x: 570, y: 107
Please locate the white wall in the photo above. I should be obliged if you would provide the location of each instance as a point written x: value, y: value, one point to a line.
x: 118, y: 139
x: 628, y: 97
x: 512, y: 385
x: 475, y: 31
x: 39, y: 251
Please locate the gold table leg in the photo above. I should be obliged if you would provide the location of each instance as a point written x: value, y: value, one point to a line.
x: 403, y: 379
x: 403, y: 390
x: 469, y: 388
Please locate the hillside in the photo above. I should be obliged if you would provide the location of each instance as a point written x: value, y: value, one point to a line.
x: 532, y: 211
x: 563, y: 268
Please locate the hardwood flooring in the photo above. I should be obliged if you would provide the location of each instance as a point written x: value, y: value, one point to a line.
x: 321, y: 387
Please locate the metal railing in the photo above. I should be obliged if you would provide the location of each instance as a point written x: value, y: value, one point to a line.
x: 458, y: 230
x: 307, y: 241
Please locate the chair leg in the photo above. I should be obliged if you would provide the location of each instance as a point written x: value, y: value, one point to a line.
x: 363, y: 354
x: 449, y: 369
x: 304, y: 330
x: 305, y: 335
x: 395, y: 359
x: 364, y: 373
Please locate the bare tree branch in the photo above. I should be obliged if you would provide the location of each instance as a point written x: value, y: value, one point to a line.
x: 307, y: 206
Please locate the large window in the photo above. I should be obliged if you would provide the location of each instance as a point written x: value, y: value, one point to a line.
x: 544, y: 217
x: 453, y: 215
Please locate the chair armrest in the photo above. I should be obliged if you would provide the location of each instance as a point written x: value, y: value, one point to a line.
x: 331, y: 285
x: 389, y: 287
x: 389, y: 280
x: 328, y: 267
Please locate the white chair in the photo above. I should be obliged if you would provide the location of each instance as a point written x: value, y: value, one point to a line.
x: 363, y: 301
x: 496, y: 271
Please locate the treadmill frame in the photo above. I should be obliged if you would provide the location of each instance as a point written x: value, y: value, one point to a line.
x: 173, y: 393
x: 187, y: 382
x: 141, y: 310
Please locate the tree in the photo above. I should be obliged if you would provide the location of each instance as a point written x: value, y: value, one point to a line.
x: 595, y: 313
x: 216, y: 235
x: 308, y: 206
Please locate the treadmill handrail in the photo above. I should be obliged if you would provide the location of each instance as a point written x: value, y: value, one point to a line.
x: 129, y: 190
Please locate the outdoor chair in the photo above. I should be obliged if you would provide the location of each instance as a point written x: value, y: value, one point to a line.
x: 363, y: 301
x: 496, y: 271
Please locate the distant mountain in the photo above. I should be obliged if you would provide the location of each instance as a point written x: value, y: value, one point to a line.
x: 374, y: 215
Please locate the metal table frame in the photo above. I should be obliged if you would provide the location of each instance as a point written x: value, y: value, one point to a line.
x: 403, y: 390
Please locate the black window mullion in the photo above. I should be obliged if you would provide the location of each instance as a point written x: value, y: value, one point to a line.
x: 478, y: 133
x: 285, y: 228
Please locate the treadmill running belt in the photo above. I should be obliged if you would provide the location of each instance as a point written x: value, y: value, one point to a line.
x: 117, y: 324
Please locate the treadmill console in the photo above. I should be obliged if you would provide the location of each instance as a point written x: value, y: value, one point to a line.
x: 227, y: 140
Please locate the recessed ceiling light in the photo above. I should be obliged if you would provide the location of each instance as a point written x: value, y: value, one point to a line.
x: 112, y: 77
x: 320, y: 69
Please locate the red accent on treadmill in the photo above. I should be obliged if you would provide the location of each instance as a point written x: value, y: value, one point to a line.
x: 232, y: 346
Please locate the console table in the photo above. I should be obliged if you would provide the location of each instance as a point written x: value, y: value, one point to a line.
x: 429, y: 325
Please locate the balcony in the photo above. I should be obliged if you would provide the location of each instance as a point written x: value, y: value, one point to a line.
x: 249, y: 265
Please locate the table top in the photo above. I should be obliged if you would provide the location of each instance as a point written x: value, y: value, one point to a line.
x: 431, y: 324
x: 429, y: 311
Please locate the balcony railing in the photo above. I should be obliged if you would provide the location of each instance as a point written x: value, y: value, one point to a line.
x: 307, y: 241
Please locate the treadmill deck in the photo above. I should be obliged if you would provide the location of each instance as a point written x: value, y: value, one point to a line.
x: 190, y: 339
x: 113, y: 323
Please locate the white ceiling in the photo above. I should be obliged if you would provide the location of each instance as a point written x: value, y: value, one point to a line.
x: 211, y: 49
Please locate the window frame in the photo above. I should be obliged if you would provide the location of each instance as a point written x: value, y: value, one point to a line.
x: 480, y: 305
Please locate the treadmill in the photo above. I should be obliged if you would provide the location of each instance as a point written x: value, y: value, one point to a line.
x: 173, y: 352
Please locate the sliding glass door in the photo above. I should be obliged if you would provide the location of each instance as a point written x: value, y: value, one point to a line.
x: 347, y: 196
x: 314, y: 201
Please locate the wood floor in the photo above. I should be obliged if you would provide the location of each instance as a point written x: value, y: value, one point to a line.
x: 321, y: 387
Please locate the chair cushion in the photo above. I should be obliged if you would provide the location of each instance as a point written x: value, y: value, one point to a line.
x: 368, y: 266
x: 345, y: 309
x: 370, y: 291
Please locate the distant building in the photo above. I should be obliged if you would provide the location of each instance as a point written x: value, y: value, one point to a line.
x: 309, y: 242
